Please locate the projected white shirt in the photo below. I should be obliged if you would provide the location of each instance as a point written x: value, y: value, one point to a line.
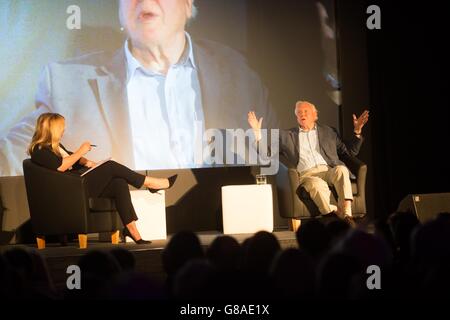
x: 164, y: 111
x: 309, y: 150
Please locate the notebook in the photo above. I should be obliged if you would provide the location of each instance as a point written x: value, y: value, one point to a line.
x: 98, y: 165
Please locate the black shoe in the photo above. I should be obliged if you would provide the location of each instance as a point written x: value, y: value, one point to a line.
x: 171, y: 179
x: 126, y: 233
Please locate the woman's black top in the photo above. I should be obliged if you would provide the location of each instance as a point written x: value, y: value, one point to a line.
x: 44, y: 156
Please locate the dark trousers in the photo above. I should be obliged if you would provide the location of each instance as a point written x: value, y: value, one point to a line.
x: 111, y: 180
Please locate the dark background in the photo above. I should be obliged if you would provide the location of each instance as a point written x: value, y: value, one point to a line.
x: 401, y: 72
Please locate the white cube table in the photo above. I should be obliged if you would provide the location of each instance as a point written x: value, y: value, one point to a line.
x: 151, y: 211
x: 247, y: 208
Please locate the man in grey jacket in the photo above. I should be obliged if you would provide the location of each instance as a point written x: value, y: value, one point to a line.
x: 314, y: 149
x: 149, y: 103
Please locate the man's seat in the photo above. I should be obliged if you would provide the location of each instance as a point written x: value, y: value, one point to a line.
x: 295, y: 202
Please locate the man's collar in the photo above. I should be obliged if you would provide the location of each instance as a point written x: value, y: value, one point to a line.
x: 188, y: 53
x: 131, y: 62
x: 187, y: 58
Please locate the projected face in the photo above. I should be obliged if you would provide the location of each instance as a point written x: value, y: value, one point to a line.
x: 306, y: 115
x: 153, y: 22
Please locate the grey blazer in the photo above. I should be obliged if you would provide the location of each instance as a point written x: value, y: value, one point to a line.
x: 332, y: 148
x: 90, y: 92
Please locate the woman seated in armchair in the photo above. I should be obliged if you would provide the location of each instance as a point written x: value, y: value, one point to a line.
x: 110, y: 180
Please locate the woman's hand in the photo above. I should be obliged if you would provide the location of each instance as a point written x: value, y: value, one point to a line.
x: 90, y: 164
x: 85, y: 148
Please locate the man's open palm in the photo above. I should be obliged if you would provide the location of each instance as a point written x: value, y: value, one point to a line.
x: 359, y: 122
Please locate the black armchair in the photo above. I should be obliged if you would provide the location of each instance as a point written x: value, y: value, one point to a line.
x: 296, y: 204
x: 59, y: 205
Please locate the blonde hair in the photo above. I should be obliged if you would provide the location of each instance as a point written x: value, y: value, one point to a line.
x: 47, y: 132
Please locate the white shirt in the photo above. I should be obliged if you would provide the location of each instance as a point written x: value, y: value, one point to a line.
x: 163, y: 112
x: 309, y: 150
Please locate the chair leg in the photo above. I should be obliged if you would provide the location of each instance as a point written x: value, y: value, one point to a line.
x: 115, y: 237
x: 295, y: 224
x: 82, y: 240
x: 40, y: 242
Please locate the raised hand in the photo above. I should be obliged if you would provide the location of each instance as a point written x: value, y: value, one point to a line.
x: 358, y: 123
x: 85, y: 147
x: 253, y: 121
x: 255, y: 124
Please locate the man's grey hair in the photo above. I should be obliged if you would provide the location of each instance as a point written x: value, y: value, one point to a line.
x: 298, y: 103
